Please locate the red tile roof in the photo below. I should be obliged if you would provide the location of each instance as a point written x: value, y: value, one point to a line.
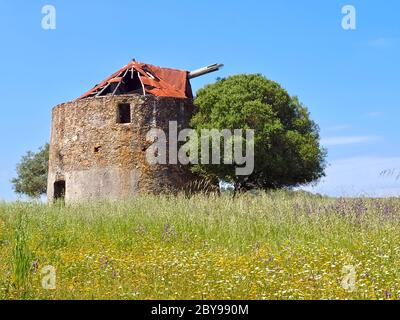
x: 160, y: 82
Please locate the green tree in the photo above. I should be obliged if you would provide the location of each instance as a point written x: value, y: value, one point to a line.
x: 32, y: 173
x: 286, y: 146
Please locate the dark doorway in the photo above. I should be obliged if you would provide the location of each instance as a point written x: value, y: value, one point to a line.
x: 59, y: 190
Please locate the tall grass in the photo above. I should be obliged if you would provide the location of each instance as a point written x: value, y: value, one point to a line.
x: 269, y: 246
x: 22, y: 256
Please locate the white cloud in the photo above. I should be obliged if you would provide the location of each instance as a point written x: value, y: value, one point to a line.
x: 6, y: 192
x: 360, y: 176
x: 344, y: 140
x: 374, y: 114
x: 380, y: 42
x: 340, y: 127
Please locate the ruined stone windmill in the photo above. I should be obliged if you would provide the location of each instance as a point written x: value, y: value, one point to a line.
x: 98, y: 142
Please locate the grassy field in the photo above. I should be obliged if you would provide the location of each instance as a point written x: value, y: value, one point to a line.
x: 272, y: 246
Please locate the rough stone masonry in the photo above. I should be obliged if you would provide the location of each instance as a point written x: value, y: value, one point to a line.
x: 98, y: 148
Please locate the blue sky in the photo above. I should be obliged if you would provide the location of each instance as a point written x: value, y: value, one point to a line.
x: 348, y: 79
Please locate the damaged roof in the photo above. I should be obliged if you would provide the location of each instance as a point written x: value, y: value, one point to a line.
x: 142, y: 78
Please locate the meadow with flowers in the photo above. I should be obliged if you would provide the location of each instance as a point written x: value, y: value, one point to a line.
x: 280, y: 245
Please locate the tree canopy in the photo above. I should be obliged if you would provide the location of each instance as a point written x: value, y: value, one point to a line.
x: 32, y: 173
x: 286, y: 144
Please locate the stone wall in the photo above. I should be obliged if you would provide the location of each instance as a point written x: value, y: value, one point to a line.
x: 101, y: 159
